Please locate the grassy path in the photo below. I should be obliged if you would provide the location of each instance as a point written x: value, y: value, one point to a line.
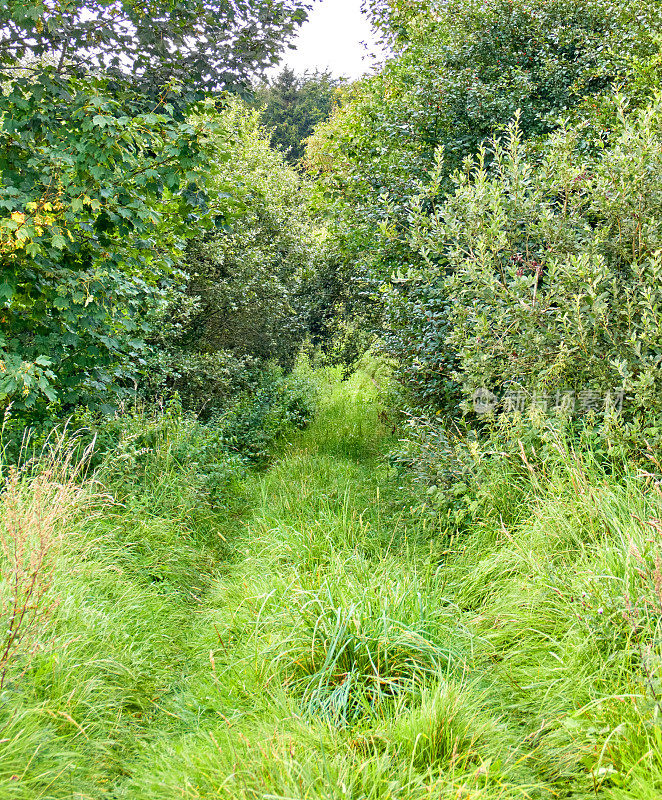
x: 326, y: 662
x: 324, y: 644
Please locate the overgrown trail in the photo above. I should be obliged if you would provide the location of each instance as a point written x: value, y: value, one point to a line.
x: 327, y: 661
x: 313, y: 623
x: 336, y: 645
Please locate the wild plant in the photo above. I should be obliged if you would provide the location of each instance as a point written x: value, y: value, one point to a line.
x: 37, y: 501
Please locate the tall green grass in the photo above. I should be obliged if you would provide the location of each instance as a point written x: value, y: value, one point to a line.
x: 317, y: 634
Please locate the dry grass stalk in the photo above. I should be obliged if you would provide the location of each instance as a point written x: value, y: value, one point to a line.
x: 34, y: 511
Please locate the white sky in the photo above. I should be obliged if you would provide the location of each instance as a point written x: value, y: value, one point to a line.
x: 332, y: 39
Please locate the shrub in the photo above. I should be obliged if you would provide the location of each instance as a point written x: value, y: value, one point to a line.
x: 544, y: 278
x: 458, y: 72
x: 254, y: 422
x: 143, y: 445
x: 242, y: 302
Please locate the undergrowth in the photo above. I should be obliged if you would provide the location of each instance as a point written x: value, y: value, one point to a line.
x: 320, y: 631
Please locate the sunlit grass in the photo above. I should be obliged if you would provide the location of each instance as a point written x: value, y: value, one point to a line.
x: 307, y: 641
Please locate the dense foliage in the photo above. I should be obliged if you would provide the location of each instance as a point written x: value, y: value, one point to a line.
x: 546, y: 276
x: 103, y: 157
x: 206, y: 44
x: 95, y: 196
x: 243, y: 302
x: 411, y: 218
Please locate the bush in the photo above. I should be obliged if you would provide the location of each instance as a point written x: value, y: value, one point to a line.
x: 146, y: 443
x: 458, y: 73
x: 544, y: 278
x: 242, y: 303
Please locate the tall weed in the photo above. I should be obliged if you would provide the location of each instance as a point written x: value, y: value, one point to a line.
x: 37, y: 507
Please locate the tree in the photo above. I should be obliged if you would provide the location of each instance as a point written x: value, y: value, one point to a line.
x: 392, y: 18
x: 95, y: 196
x: 460, y: 71
x: 243, y: 303
x: 292, y: 107
x: 205, y: 44
x: 542, y: 277
x: 104, y: 177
